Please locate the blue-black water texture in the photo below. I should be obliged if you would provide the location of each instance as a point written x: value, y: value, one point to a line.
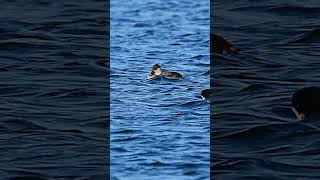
x: 255, y: 135
x: 54, y: 89
x: 160, y: 128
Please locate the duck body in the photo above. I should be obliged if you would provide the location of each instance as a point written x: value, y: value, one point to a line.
x: 171, y: 75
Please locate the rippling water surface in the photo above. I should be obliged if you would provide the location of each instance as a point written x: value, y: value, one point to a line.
x: 255, y: 133
x: 160, y: 128
x: 53, y: 90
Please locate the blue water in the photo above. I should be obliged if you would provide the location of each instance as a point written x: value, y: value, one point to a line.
x: 53, y: 90
x: 255, y: 133
x: 159, y: 129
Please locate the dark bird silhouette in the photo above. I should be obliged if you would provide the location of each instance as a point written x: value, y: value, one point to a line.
x: 158, y: 72
x: 306, y: 102
x: 219, y: 45
x: 205, y: 94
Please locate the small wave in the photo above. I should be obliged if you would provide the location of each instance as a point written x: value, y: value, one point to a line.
x: 308, y: 37
x: 68, y: 93
x: 254, y: 88
x: 157, y: 164
x: 127, y: 131
x: 293, y: 10
x: 14, y: 45
x: 192, y: 103
x: 142, y: 25
x: 22, y: 125
x: 264, y: 131
x: 125, y: 139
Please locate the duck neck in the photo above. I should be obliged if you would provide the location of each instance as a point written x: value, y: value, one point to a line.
x: 158, y: 72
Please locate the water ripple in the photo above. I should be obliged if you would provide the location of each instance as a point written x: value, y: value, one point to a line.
x: 159, y: 128
x: 255, y: 133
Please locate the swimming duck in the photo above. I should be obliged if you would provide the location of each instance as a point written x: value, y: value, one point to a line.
x: 157, y: 72
x: 205, y: 94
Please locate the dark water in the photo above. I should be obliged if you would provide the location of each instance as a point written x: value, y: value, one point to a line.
x: 255, y: 133
x: 53, y: 90
x: 159, y: 129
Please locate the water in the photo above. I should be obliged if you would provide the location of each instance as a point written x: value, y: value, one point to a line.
x: 53, y: 90
x: 255, y: 133
x: 159, y: 129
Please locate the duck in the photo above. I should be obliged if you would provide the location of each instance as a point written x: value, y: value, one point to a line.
x: 158, y: 72
x: 205, y: 94
x: 219, y: 45
x: 306, y: 102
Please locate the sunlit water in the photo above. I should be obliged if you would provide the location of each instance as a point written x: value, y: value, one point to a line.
x: 160, y: 128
